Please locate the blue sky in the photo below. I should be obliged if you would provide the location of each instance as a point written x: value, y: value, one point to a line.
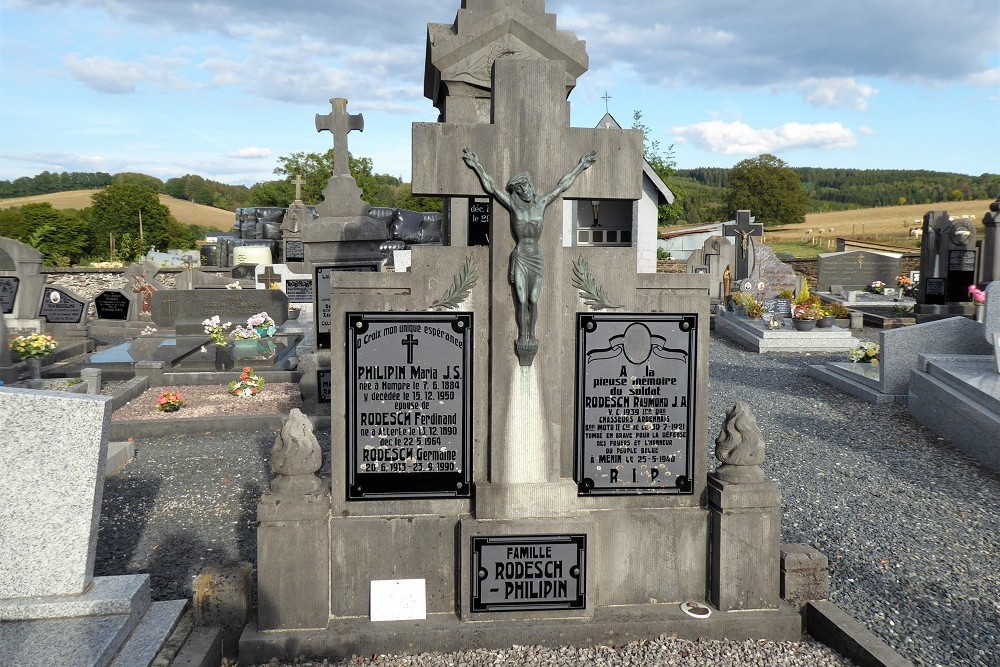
x: 221, y: 88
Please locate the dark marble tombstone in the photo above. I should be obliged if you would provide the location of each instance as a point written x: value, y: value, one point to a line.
x: 8, y: 293
x: 856, y: 270
x: 112, y: 305
x: 61, y: 307
x: 187, y: 309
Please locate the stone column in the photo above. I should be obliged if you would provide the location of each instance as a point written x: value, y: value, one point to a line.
x: 746, y: 521
x: 293, y: 553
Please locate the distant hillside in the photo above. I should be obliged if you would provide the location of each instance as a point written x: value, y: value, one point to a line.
x: 186, y: 212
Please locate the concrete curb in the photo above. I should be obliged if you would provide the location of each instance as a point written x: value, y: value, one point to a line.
x: 145, y: 428
x: 830, y: 625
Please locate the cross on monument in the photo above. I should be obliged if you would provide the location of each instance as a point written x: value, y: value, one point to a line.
x: 339, y: 122
x: 299, y: 182
x: 269, y: 278
x: 530, y: 133
x: 408, y: 343
x: 606, y: 97
x: 744, y: 230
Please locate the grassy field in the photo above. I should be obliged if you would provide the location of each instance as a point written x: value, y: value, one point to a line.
x: 888, y: 224
x: 185, y: 212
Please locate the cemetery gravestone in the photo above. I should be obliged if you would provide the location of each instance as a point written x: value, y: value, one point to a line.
x: 717, y: 254
x: 948, y: 259
x: 59, y: 306
x: 743, y: 231
x: 856, y: 270
x: 528, y: 507
x: 8, y: 293
x: 23, y: 280
x: 775, y: 274
x: 112, y: 305
x: 185, y: 310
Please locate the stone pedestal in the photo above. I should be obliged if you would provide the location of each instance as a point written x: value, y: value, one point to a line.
x: 804, y: 575
x: 746, y: 529
x: 293, y: 575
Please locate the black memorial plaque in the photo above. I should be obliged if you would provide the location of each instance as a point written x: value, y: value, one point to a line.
x: 299, y: 290
x: 409, y: 398
x: 112, y: 305
x: 962, y: 260
x: 635, y: 403
x: 324, y: 381
x: 934, y: 291
x: 322, y: 304
x: 295, y: 251
x: 529, y: 572
x: 480, y: 218
x: 8, y: 292
x: 244, y: 271
x: 58, y: 307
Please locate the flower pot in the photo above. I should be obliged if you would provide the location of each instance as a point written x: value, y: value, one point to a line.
x: 35, y: 368
x: 741, y: 311
x: 980, y: 311
x: 825, y: 322
x: 804, y: 325
x: 225, y: 357
x: 293, y: 313
x: 264, y: 332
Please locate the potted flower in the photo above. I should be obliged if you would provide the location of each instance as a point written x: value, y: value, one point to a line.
x: 876, y: 287
x: 216, y: 330
x: 248, y: 384
x: 804, y: 317
x: 740, y: 302
x: 263, y: 323
x: 978, y: 298
x: 170, y: 401
x: 32, y: 348
x: 755, y: 309
x: 865, y: 353
x: 826, y: 318
x: 245, y: 341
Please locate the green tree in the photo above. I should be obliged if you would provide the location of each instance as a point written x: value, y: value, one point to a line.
x: 62, y: 236
x: 316, y: 169
x: 664, y: 163
x: 119, y: 208
x: 769, y: 188
x: 151, y: 182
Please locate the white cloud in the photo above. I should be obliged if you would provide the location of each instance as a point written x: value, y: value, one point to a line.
x: 837, y: 92
x: 251, y: 152
x: 738, y: 138
x: 988, y: 78
x: 867, y: 131
x: 104, y: 74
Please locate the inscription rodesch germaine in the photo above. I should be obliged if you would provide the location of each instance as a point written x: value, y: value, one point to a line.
x: 635, y: 403
x: 409, y: 397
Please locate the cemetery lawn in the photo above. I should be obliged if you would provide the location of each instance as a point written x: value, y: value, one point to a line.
x: 187, y: 213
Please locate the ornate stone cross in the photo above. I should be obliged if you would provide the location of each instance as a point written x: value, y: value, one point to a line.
x: 339, y: 122
x: 269, y: 278
x: 743, y: 229
x: 298, y: 182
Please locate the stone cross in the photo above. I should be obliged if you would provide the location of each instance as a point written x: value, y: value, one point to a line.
x: 269, y: 278
x: 299, y: 182
x: 743, y: 229
x: 339, y: 122
x: 530, y: 133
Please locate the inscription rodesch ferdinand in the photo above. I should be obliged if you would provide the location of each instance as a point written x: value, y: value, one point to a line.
x: 635, y: 403
x: 409, y: 389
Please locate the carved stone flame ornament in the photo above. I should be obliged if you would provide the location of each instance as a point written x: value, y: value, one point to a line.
x: 296, y: 456
x: 740, y: 448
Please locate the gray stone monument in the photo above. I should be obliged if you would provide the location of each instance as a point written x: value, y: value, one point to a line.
x: 717, y: 254
x: 991, y: 245
x: 856, y: 270
x: 21, y: 285
x: 53, y: 611
x: 466, y: 471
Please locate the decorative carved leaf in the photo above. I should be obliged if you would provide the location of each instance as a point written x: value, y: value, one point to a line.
x: 464, y: 281
x: 592, y: 294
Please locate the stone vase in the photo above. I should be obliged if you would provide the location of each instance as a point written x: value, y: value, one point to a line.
x: 980, y: 311
x: 825, y: 322
x: 35, y: 368
x: 225, y: 357
x: 804, y: 325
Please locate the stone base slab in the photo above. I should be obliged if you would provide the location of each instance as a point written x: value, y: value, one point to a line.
x: 446, y: 633
x: 753, y: 335
x: 853, y: 384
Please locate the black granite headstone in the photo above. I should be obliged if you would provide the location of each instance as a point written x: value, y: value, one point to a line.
x: 187, y: 309
x: 59, y: 307
x: 480, y: 219
x: 299, y: 290
x: 295, y: 251
x: 8, y: 293
x: 244, y: 271
x: 112, y: 305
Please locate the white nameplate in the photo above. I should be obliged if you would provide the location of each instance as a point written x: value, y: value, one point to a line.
x: 398, y: 600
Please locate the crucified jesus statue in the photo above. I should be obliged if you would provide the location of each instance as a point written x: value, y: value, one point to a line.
x: 527, y: 265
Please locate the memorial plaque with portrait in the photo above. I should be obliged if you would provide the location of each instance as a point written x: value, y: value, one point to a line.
x: 58, y: 307
x: 409, y: 404
x: 8, y: 293
x: 635, y: 403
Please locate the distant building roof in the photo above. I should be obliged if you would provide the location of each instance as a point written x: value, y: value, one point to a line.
x: 664, y: 195
x: 674, y: 232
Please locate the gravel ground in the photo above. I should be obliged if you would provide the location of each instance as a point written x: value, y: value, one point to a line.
x: 909, y: 524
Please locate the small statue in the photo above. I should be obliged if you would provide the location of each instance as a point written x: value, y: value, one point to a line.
x: 740, y: 447
x: 527, y: 265
x: 296, y: 456
x: 727, y: 285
